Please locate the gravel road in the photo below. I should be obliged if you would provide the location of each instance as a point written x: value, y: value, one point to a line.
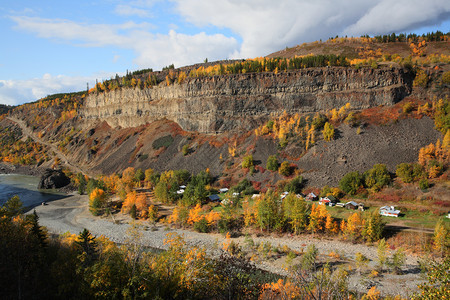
x: 71, y: 214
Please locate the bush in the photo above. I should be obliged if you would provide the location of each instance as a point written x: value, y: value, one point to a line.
x: 285, y: 169
x: 424, y: 184
x: 421, y: 79
x: 272, y: 163
x: 201, y: 226
x: 247, y: 162
x: 164, y: 141
x: 185, y: 149
x: 407, y: 108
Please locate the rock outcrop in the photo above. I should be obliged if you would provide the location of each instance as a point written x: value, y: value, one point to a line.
x: 53, y: 179
x: 239, y: 102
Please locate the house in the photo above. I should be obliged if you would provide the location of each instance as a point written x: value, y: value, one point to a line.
x: 235, y: 194
x: 354, y: 205
x: 284, y: 194
x: 180, y: 192
x: 214, y: 198
x: 182, y: 187
x: 223, y: 190
x: 311, y: 197
x: 340, y: 204
x: 254, y: 196
x: 328, y: 200
x: 389, y: 211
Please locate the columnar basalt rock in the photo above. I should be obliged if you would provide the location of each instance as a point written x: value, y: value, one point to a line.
x: 239, y: 102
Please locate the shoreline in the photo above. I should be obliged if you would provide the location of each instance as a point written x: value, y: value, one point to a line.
x: 7, y: 168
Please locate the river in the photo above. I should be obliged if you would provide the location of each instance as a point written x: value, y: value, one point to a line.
x: 25, y: 186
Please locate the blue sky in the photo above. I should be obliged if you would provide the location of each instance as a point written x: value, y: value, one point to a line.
x: 58, y: 46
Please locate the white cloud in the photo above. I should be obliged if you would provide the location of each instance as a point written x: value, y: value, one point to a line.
x: 152, y: 50
x: 14, y: 92
x: 389, y: 16
x: 127, y: 10
x: 266, y: 26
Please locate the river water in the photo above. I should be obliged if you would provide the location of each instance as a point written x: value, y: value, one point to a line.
x: 25, y: 187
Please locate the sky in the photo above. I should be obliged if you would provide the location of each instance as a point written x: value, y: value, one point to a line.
x: 59, y: 46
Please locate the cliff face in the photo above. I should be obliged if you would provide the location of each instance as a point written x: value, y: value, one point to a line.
x: 239, y: 102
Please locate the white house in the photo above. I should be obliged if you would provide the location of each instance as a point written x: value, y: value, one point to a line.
x: 223, y: 190
x: 389, y: 211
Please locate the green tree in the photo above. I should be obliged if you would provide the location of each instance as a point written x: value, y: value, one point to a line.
x: 373, y: 227
x: 272, y: 163
x: 140, y: 175
x: 133, y: 212
x: 88, y: 247
x: 377, y: 177
x: 351, y: 182
x: 405, y: 172
x: 309, y: 259
x: 247, y: 162
x: 162, y: 192
x: 81, y: 183
x: 382, y: 253
x: 295, y: 185
x: 268, y: 211
x: 13, y: 207
x: 296, y: 211
x: 397, y: 261
x: 361, y: 262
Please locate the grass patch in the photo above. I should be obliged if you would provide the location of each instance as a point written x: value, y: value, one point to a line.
x: 164, y: 141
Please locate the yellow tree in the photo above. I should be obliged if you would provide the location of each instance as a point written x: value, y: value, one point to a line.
x: 328, y: 132
x: 354, y: 226
x: 97, y: 200
x: 440, y: 238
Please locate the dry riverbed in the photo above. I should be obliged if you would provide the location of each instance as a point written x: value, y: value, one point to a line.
x: 71, y: 214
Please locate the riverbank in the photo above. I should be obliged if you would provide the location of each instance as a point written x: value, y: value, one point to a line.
x: 71, y: 214
x: 7, y: 168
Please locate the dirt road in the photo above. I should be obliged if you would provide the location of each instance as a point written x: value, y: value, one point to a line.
x: 29, y: 133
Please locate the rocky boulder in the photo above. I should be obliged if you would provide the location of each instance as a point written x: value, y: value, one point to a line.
x: 53, y: 179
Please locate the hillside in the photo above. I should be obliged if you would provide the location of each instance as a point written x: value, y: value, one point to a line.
x: 146, y: 118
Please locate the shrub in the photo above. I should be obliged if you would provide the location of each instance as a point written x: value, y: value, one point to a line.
x: 285, y: 169
x: 185, y: 149
x: 164, y: 141
x: 421, y: 79
x: 446, y: 78
x: 424, y: 184
x: 272, y: 163
x: 201, y: 226
x: 408, y: 107
x: 247, y: 162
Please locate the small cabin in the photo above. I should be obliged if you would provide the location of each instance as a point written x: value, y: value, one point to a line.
x: 354, y: 205
x: 311, y: 197
x: 223, y: 190
x: 328, y: 200
x: 389, y: 211
x: 214, y: 198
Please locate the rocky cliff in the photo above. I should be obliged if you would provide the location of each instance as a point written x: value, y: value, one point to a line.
x: 239, y: 102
